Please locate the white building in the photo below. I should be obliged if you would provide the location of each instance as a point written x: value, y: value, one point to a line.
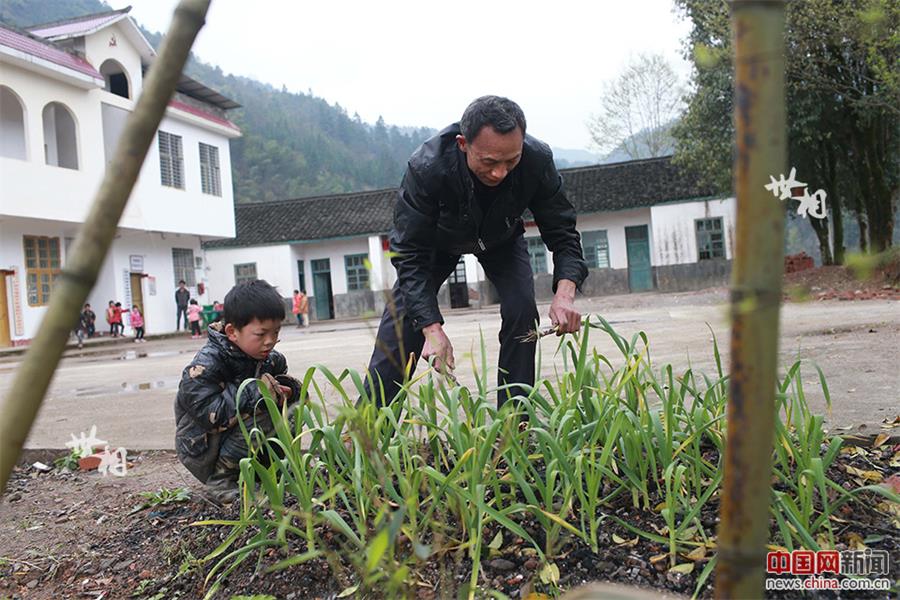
x: 644, y: 226
x: 66, y: 89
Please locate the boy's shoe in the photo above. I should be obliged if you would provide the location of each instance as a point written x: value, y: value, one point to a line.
x: 222, y: 487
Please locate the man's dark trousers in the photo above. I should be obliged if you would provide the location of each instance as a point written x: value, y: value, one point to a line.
x: 181, y: 317
x: 508, y: 267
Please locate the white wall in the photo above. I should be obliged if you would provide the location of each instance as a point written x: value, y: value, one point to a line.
x: 675, y: 232
x: 614, y: 223
x: 33, y: 189
x: 273, y: 263
x: 112, y: 282
x: 334, y: 250
x: 97, y: 50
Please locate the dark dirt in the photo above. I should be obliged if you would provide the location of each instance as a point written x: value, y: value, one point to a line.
x: 71, y: 535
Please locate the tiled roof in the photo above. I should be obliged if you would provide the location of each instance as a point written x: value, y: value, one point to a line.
x: 78, y: 26
x: 631, y: 184
x: 47, y: 51
x: 599, y: 188
x: 202, y: 114
x: 318, y: 218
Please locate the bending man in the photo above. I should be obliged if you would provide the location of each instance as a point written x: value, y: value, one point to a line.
x: 464, y: 192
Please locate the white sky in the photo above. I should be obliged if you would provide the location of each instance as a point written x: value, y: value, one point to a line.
x: 421, y: 62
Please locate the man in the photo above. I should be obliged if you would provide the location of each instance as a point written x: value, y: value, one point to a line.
x: 464, y: 192
x: 182, y: 297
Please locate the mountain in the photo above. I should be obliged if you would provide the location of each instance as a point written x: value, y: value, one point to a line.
x: 566, y: 158
x: 638, y: 142
x: 293, y: 144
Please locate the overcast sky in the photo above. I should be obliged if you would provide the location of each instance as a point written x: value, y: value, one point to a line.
x: 421, y: 62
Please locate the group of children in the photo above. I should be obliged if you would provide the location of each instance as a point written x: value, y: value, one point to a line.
x: 115, y: 319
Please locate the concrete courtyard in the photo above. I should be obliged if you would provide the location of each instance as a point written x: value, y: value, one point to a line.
x: 127, y: 389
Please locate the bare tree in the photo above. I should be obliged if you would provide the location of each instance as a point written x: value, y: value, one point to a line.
x: 638, y: 109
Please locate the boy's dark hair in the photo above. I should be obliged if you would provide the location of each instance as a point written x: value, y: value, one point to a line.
x: 252, y: 300
x: 180, y: 281
x: 118, y: 304
x: 502, y: 114
x: 193, y: 301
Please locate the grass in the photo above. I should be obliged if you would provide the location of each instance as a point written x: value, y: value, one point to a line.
x: 440, y: 473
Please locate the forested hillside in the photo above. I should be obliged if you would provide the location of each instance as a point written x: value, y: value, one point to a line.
x: 293, y: 144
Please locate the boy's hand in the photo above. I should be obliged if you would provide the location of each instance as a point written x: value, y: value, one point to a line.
x: 280, y: 393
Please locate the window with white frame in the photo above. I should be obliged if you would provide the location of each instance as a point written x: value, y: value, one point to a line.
x: 596, y: 249
x: 183, y: 266
x: 538, y: 253
x: 710, y: 238
x: 357, y: 273
x: 210, y: 177
x: 171, y: 160
x: 244, y: 272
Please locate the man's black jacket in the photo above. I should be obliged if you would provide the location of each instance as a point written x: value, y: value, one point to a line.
x: 182, y: 297
x: 437, y: 210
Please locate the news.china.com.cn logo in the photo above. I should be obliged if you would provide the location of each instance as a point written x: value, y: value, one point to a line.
x: 856, y: 565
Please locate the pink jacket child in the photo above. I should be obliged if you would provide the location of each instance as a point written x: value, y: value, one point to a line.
x: 137, y: 323
x: 193, y: 312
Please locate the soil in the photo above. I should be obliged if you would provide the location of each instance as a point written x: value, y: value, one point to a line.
x: 77, y: 535
x: 845, y: 283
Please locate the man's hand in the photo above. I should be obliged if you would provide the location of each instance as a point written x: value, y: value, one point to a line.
x: 562, y: 310
x: 437, y: 344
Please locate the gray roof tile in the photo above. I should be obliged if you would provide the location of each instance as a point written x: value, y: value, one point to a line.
x: 598, y: 188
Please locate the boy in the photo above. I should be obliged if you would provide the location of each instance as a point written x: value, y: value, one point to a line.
x: 208, y: 440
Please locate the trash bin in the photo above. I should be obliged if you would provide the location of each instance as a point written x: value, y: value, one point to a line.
x: 209, y: 315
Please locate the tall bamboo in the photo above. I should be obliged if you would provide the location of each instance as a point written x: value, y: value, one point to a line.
x: 760, y: 129
x: 22, y: 402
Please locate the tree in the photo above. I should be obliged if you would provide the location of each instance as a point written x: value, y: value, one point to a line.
x: 843, y: 98
x: 638, y: 108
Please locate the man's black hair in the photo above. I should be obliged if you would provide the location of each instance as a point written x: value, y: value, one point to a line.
x: 502, y: 114
x: 252, y: 300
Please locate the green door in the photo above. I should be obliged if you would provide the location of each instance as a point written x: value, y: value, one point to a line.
x: 640, y: 273
x: 321, y: 272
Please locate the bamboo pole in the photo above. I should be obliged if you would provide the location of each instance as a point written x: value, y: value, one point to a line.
x: 22, y: 402
x: 760, y: 129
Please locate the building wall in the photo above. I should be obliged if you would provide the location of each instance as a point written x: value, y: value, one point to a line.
x: 675, y: 233
x: 113, y: 281
x: 273, y: 263
x: 33, y: 189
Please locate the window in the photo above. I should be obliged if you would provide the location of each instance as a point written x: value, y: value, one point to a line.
x: 357, y: 273
x: 244, y: 272
x: 710, y: 238
x: 210, y: 178
x: 171, y: 160
x: 459, y: 274
x: 596, y: 249
x: 41, y: 267
x: 60, y: 145
x: 538, y: 253
x: 12, y: 125
x: 114, y: 78
x: 183, y: 265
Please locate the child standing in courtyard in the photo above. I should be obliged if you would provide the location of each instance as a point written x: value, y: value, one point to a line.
x: 137, y: 323
x: 194, y: 311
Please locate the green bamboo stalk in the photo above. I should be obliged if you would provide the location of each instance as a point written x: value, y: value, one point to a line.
x: 22, y: 402
x: 760, y: 129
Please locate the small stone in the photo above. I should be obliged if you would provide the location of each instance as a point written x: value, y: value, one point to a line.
x: 106, y: 563
x: 62, y: 519
x: 502, y: 565
x: 291, y: 596
x: 531, y: 564
x: 122, y: 565
x: 145, y: 574
x: 32, y: 584
x: 14, y: 497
